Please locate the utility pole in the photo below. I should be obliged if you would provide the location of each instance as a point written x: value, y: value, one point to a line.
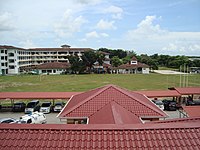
x: 184, y: 76
x: 187, y: 75
x: 180, y: 76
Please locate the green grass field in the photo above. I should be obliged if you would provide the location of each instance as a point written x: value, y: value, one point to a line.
x: 61, y: 83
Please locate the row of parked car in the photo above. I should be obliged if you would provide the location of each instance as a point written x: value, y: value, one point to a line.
x: 32, y: 106
x: 33, y: 118
x: 168, y: 105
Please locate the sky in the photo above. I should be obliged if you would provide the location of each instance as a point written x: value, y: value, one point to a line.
x: 169, y: 27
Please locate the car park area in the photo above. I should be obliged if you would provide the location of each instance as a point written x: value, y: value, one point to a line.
x: 51, y: 118
x: 24, y: 108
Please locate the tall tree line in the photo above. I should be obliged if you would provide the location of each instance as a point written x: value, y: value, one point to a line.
x: 119, y: 56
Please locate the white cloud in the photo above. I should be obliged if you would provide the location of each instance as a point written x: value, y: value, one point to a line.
x: 104, y: 34
x: 146, y: 29
x: 152, y: 36
x: 115, y: 11
x: 92, y: 34
x: 6, y: 22
x: 88, y: 2
x: 182, y: 48
x: 27, y: 44
x: 105, y: 25
x: 69, y: 24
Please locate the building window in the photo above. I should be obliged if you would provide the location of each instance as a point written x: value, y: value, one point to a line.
x: 2, y: 58
x: 2, y: 51
x: 44, y: 71
x: 11, y: 67
x: 11, y: 61
x: 2, y: 64
x: 77, y: 121
x: 11, y: 54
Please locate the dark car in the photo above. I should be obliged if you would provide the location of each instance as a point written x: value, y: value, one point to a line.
x: 192, y: 102
x: 32, y: 106
x: 19, y: 107
x: 7, y: 120
x: 170, y: 105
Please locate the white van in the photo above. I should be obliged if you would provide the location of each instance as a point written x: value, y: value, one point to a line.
x: 34, y: 118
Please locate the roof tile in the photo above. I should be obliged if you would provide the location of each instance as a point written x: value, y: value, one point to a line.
x: 174, y: 135
x: 88, y: 103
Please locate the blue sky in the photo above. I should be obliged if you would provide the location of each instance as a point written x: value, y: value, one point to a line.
x: 146, y: 26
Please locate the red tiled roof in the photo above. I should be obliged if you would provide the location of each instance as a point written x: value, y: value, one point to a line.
x: 131, y: 66
x: 187, y: 90
x: 105, y: 53
x: 61, y: 49
x: 88, y: 103
x: 176, y: 120
x: 37, y: 95
x: 184, y: 135
x: 10, y: 47
x: 161, y: 93
x: 192, y: 111
x: 113, y: 113
x: 134, y: 58
x: 53, y: 65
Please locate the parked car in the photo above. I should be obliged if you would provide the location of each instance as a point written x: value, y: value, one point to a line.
x: 19, y: 107
x: 46, y: 107
x: 32, y: 106
x: 170, y: 105
x: 58, y: 106
x: 192, y: 102
x: 7, y: 120
x: 159, y: 103
x: 34, y: 118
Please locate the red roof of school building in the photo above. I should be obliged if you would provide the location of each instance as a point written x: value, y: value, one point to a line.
x: 176, y: 120
x: 192, y: 111
x: 131, y: 66
x: 10, y: 47
x: 184, y: 135
x: 88, y: 103
x: 161, y: 93
x: 37, y: 95
x: 113, y: 113
x: 61, y: 49
x: 53, y: 65
x: 187, y: 90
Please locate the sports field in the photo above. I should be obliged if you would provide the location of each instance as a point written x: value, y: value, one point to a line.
x: 61, y: 83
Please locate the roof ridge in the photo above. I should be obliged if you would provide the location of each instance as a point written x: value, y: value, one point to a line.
x: 130, y: 95
x: 122, y: 108
x: 101, y: 89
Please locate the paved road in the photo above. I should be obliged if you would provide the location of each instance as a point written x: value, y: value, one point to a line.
x: 168, y: 72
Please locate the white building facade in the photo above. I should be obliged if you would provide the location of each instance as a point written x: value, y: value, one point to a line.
x: 14, y: 59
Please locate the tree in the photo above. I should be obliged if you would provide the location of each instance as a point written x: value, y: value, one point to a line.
x: 116, y: 61
x: 113, y: 52
x: 128, y: 58
x: 89, y: 58
x: 77, y: 65
x: 100, y: 58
